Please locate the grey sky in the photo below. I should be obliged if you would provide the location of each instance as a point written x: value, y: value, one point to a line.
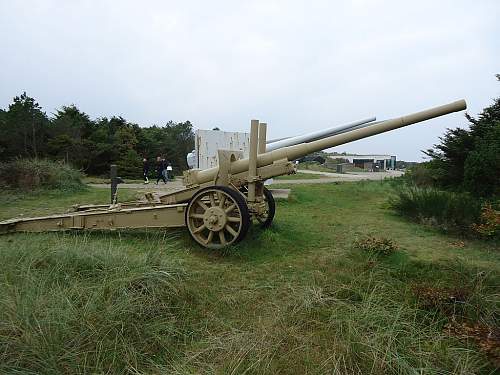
x: 299, y: 65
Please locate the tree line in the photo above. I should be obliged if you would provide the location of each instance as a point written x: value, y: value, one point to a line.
x: 70, y: 135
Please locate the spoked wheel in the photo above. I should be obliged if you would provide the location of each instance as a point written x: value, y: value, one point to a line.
x: 217, y: 217
x: 266, y: 213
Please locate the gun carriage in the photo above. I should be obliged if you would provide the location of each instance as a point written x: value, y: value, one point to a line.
x: 218, y: 205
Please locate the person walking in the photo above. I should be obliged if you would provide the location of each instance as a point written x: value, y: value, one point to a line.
x: 160, y: 170
x: 165, y: 169
x: 145, y: 170
x: 169, y: 171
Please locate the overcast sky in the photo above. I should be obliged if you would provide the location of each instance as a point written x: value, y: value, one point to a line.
x: 299, y: 65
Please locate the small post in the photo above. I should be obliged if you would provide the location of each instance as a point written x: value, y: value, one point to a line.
x: 259, y: 186
x: 114, y: 183
x: 252, y: 159
x: 262, y: 137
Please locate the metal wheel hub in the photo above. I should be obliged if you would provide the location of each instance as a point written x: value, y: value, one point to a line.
x: 215, y: 219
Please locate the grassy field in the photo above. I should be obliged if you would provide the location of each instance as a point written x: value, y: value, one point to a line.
x: 298, y: 298
x: 53, y: 201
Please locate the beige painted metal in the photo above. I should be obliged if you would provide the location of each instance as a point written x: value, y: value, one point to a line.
x: 226, y: 158
x: 300, y: 150
x: 117, y: 218
x: 259, y: 186
x: 252, y: 159
x: 278, y: 168
x: 262, y: 137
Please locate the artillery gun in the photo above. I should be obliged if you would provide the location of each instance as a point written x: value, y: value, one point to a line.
x: 217, y: 205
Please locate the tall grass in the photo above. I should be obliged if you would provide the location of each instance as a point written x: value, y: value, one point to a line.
x: 33, y: 174
x: 299, y: 298
x: 366, y: 321
x: 444, y: 209
x: 76, y: 305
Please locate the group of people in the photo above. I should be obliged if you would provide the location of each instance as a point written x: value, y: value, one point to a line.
x: 162, y: 170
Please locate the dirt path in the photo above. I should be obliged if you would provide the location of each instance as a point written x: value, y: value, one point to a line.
x: 327, y: 177
x: 164, y: 188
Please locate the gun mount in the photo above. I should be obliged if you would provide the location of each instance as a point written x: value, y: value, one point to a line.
x: 218, y: 204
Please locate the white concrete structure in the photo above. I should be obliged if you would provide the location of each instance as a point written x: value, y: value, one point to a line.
x: 207, y: 142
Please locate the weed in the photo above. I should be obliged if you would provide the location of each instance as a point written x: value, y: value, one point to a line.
x: 489, y: 225
x: 376, y: 245
x: 486, y: 337
x: 447, y: 300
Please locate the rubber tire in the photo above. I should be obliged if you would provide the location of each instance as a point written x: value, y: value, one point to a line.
x: 240, y: 202
x: 272, y: 208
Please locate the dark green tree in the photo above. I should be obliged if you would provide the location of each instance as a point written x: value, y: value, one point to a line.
x: 469, y: 159
x: 68, y: 131
x: 24, y: 128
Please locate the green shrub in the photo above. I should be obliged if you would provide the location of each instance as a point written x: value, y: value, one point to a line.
x: 444, y: 209
x: 420, y: 175
x: 482, y: 166
x: 376, y: 245
x: 33, y: 174
x: 489, y: 224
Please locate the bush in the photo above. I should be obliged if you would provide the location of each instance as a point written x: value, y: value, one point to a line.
x: 482, y: 166
x: 420, y: 175
x: 445, y: 209
x: 447, y: 300
x: 32, y: 174
x: 376, y: 245
x: 489, y: 224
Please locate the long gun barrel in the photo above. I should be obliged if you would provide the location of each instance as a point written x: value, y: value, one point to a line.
x: 309, y: 137
x: 300, y: 150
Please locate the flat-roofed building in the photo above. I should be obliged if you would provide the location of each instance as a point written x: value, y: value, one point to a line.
x: 369, y: 162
